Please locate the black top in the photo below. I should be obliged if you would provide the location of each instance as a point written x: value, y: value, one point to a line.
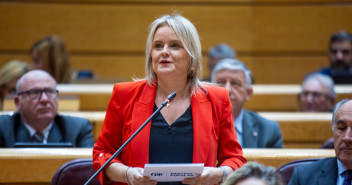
x: 171, y: 143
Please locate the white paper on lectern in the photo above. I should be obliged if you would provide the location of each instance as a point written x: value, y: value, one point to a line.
x: 172, y: 172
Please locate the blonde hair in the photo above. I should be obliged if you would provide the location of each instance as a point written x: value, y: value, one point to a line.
x: 188, y: 35
x: 53, y: 52
x: 12, y: 70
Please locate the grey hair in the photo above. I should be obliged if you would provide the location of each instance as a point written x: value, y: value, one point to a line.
x: 189, y: 37
x: 254, y: 170
x: 221, y: 51
x: 323, y: 79
x: 336, y: 109
x: 232, y: 64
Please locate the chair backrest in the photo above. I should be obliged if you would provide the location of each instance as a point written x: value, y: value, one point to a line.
x: 75, y: 172
x: 328, y: 144
x: 286, y: 170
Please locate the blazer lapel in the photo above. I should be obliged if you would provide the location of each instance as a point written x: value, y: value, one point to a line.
x: 250, y: 132
x: 142, y: 110
x: 55, y: 134
x: 22, y: 134
x: 328, y: 173
x: 202, y: 126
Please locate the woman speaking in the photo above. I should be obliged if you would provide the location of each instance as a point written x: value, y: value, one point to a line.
x: 197, y: 127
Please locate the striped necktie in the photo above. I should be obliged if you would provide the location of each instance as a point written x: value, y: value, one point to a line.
x: 38, y: 137
x: 348, y: 177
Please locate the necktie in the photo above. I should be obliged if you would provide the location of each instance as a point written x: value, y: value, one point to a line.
x: 348, y: 177
x: 38, y: 137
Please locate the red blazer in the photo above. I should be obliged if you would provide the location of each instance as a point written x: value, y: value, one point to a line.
x: 132, y: 103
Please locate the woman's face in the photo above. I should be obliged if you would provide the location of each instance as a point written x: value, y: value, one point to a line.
x: 38, y: 61
x: 169, y: 57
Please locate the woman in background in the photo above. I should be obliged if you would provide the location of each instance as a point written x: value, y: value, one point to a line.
x: 50, y: 54
x: 197, y: 127
x: 9, y: 75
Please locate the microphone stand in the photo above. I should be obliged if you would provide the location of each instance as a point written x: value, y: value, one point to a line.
x: 166, y: 102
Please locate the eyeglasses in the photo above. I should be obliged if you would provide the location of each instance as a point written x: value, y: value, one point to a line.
x: 314, y: 95
x: 37, y: 93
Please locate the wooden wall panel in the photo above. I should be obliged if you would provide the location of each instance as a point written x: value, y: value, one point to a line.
x: 123, y: 27
x: 92, y: 27
x: 271, y: 36
x: 38, y: 165
x: 298, y: 28
x: 265, y: 69
x: 123, y: 68
x: 6, y: 57
x: 283, y: 69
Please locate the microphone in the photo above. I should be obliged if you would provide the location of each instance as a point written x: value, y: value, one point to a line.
x: 169, y: 99
x: 166, y: 102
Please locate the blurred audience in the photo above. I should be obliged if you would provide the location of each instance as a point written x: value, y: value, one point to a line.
x: 332, y: 170
x: 37, y: 120
x: 218, y: 52
x: 340, y: 57
x: 318, y: 94
x: 253, y: 131
x: 50, y: 54
x: 9, y: 75
x: 253, y: 173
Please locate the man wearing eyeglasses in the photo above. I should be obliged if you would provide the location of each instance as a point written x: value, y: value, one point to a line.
x: 36, y: 119
x: 318, y: 94
x: 253, y: 130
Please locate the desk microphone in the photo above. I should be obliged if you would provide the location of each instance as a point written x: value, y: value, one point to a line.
x: 166, y: 102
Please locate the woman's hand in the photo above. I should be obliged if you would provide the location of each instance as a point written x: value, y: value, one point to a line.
x: 209, y: 176
x: 135, y: 177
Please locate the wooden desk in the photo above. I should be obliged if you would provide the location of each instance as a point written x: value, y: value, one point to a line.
x: 299, y: 130
x: 302, y: 130
x: 279, y: 157
x: 65, y: 103
x: 37, y: 166
x: 285, y: 97
x: 108, y: 36
x: 95, y: 97
x: 92, y: 97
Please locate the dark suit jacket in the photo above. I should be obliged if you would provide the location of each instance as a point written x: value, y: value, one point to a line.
x: 259, y: 132
x: 78, y: 131
x: 322, y: 172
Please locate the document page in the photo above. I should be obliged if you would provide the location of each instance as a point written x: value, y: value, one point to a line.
x: 172, y: 172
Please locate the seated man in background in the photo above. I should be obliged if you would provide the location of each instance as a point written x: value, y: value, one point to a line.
x: 37, y: 119
x: 333, y: 170
x: 217, y: 53
x: 253, y: 131
x: 318, y: 94
x: 340, y: 57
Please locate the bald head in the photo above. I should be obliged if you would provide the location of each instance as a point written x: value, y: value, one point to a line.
x: 34, y: 76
